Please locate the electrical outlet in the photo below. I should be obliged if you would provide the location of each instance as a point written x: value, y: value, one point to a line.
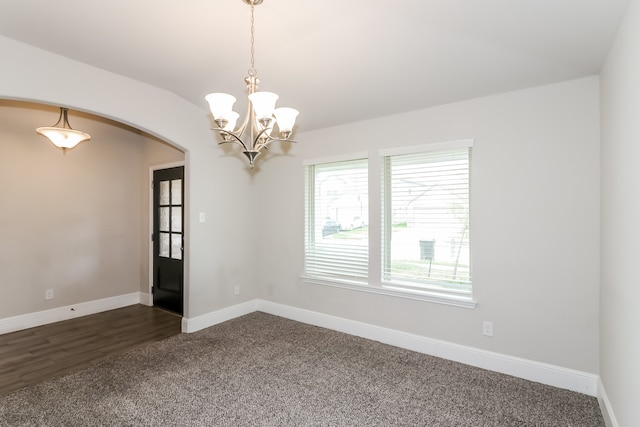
x: 236, y: 289
x: 487, y: 328
x: 48, y: 294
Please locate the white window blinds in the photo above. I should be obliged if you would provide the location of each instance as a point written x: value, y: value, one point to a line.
x: 336, y: 221
x: 425, y: 236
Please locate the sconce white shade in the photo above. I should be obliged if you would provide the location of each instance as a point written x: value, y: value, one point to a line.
x: 220, y: 104
x: 263, y: 104
x: 286, y: 118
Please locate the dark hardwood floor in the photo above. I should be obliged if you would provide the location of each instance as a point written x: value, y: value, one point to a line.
x: 33, y: 355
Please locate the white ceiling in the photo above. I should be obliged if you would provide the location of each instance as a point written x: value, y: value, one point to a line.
x: 337, y: 61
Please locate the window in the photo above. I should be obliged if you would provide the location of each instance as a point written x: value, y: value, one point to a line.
x: 425, y: 221
x: 417, y: 243
x: 336, y: 221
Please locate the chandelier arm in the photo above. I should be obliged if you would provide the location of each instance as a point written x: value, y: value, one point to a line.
x: 271, y: 139
x: 252, y: 85
x: 264, y: 144
x: 257, y: 132
x: 240, y: 131
x: 235, y: 139
x: 257, y: 145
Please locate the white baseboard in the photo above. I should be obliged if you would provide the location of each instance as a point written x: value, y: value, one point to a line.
x: 146, y: 299
x: 605, y: 406
x: 31, y: 320
x: 213, y: 318
x: 556, y: 376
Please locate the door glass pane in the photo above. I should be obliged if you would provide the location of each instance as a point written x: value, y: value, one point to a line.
x: 176, y: 192
x: 176, y: 246
x: 164, y: 219
x: 164, y: 192
x: 176, y: 219
x: 164, y: 245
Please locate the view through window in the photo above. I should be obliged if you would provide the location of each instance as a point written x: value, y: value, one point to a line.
x: 426, y: 220
x: 337, y: 218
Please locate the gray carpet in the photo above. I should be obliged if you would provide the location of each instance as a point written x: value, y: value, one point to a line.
x: 262, y: 370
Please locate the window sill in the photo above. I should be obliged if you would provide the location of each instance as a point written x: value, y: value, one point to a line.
x: 392, y: 291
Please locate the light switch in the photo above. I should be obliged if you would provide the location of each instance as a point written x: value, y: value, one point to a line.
x: 201, y: 216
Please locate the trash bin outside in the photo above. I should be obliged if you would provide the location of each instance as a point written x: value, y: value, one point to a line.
x: 427, y: 249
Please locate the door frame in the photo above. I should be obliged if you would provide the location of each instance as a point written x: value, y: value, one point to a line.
x: 185, y: 226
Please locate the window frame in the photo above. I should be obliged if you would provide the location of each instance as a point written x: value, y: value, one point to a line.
x: 408, y: 285
x: 374, y: 283
x: 311, y: 226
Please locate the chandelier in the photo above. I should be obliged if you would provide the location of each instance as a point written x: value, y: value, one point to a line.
x: 61, y: 135
x: 261, y: 115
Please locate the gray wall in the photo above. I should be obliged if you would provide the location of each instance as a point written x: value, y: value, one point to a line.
x: 216, y: 251
x: 620, y: 290
x: 534, y: 223
x: 72, y: 223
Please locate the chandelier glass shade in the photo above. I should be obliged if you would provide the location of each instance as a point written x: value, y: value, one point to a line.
x: 255, y: 132
x: 61, y: 134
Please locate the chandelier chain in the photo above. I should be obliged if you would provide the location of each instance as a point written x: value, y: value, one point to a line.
x: 252, y: 69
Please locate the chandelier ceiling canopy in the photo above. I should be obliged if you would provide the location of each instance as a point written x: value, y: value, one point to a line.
x: 255, y: 132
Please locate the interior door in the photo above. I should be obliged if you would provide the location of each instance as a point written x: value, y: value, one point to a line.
x: 168, y: 239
